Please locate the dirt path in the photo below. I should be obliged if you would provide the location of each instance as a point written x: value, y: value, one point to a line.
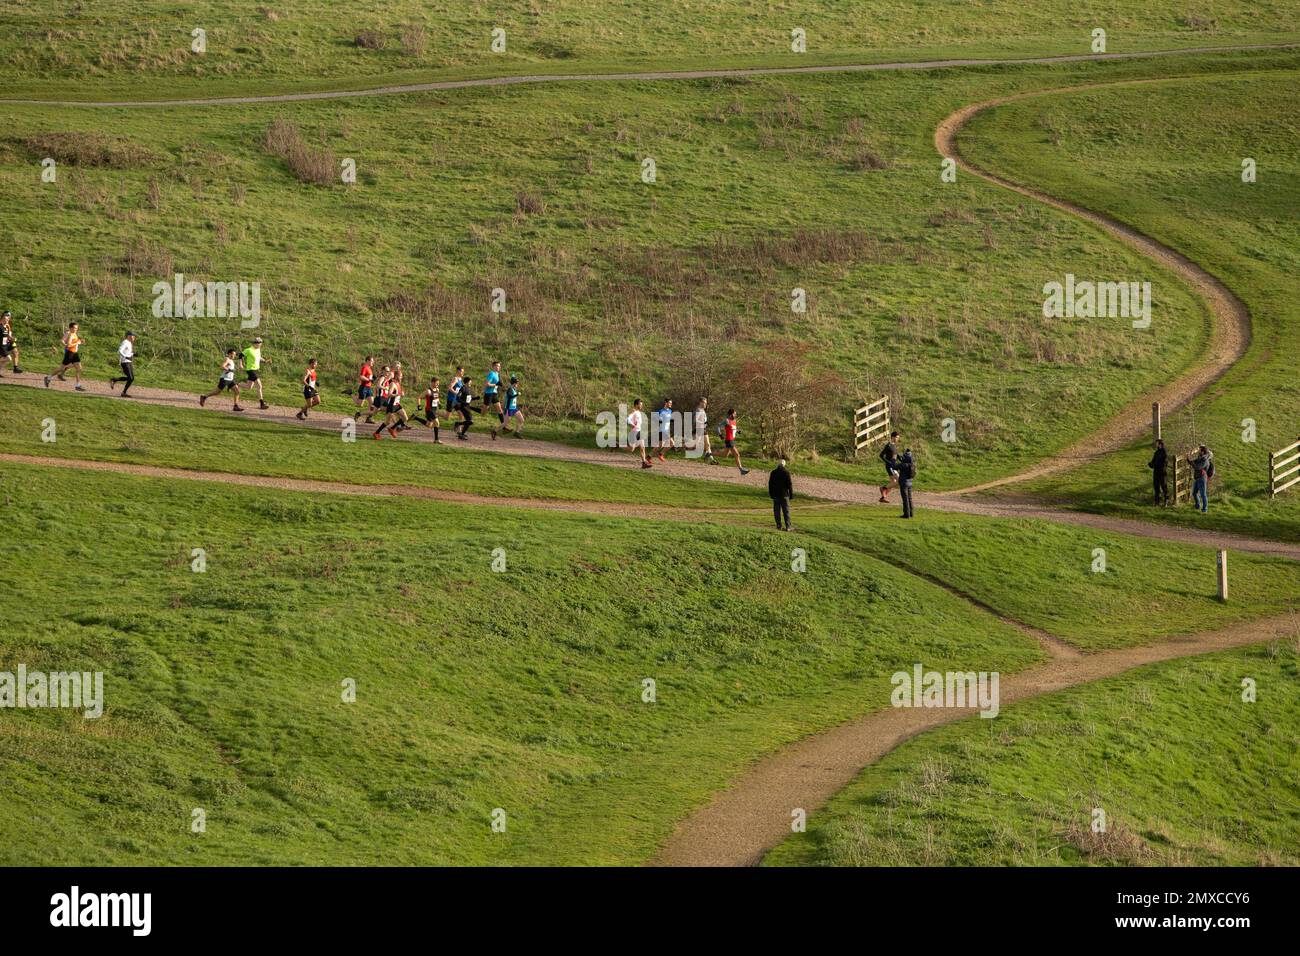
x: 825, y: 489
x: 742, y: 822
x: 644, y: 75
x: 752, y: 815
x: 1052, y: 645
x: 1230, y: 330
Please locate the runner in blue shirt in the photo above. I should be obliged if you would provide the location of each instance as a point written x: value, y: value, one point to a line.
x: 514, y: 414
x: 492, y: 397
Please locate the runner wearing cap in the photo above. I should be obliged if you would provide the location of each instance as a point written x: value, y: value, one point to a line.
x: 252, y: 361
x: 125, y: 358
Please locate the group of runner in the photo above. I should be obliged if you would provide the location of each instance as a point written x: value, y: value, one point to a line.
x: 382, y: 394
x: 638, y: 441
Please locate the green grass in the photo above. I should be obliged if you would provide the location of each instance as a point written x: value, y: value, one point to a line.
x: 928, y: 290
x: 1031, y: 571
x: 124, y: 48
x: 1132, y: 153
x: 1041, y: 574
x: 1186, y: 772
x: 117, y: 431
x: 475, y: 690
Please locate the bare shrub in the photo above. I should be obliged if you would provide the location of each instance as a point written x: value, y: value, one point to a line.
x: 307, y: 163
x: 783, y: 396
x: 414, y: 39
x: 144, y: 257
x: 528, y: 203
x: 77, y: 148
x: 369, y: 40
x: 1117, y: 844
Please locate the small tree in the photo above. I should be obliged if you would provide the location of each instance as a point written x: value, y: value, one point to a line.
x: 785, y: 399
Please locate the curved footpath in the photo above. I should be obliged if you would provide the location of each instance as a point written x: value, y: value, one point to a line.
x: 826, y: 489
x: 751, y: 816
x: 740, y: 823
x: 1230, y: 328
x: 646, y: 75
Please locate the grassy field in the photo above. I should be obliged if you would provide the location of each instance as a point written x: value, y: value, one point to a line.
x: 1031, y: 571
x: 126, y: 47
x: 614, y: 288
x: 223, y: 688
x: 1186, y: 772
x: 1041, y: 574
x: 102, y: 430
x: 1131, y: 153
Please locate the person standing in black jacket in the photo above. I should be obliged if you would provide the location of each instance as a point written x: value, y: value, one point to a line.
x: 906, y: 467
x: 780, y: 488
x: 1159, y: 465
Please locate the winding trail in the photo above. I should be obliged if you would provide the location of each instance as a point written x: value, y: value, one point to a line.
x: 651, y: 75
x: 741, y: 822
x: 1230, y: 331
x: 328, y: 418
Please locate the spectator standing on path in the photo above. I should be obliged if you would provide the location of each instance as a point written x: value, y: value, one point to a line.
x: 780, y: 489
x: 125, y: 358
x: 1202, y: 472
x: 906, y: 469
x: 889, y: 455
x: 1159, y: 465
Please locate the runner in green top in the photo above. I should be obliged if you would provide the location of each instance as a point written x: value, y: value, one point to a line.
x: 252, y: 360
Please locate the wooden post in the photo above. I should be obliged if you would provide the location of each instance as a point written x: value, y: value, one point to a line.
x: 1271, y: 492
x: 1223, y: 575
x: 1155, y: 423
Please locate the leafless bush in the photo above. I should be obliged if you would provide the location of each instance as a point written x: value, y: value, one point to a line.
x: 77, y: 148
x: 414, y: 39
x: 369, y: 40
x: 528, y: 203
x: 307, y: 163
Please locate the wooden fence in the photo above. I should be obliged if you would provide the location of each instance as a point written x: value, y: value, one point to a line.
x: 870, y: 423
x: 1182, y: 490
x: 1283, y: 469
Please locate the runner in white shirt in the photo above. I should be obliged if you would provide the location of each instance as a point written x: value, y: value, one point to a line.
x: 226, y: 383
x: 635, y: 435
x: 125, y: 358
x: 702, y: 430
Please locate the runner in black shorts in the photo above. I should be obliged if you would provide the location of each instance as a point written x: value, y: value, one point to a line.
x: 310, y: 391
x: 8, y: 343
x: 889, y: 455
x: 227, y: 381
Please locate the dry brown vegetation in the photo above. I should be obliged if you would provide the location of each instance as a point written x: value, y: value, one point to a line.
x: 309, y: 164
x: 79, y: 148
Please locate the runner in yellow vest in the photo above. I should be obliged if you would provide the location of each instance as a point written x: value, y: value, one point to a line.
x: 252, y: 361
